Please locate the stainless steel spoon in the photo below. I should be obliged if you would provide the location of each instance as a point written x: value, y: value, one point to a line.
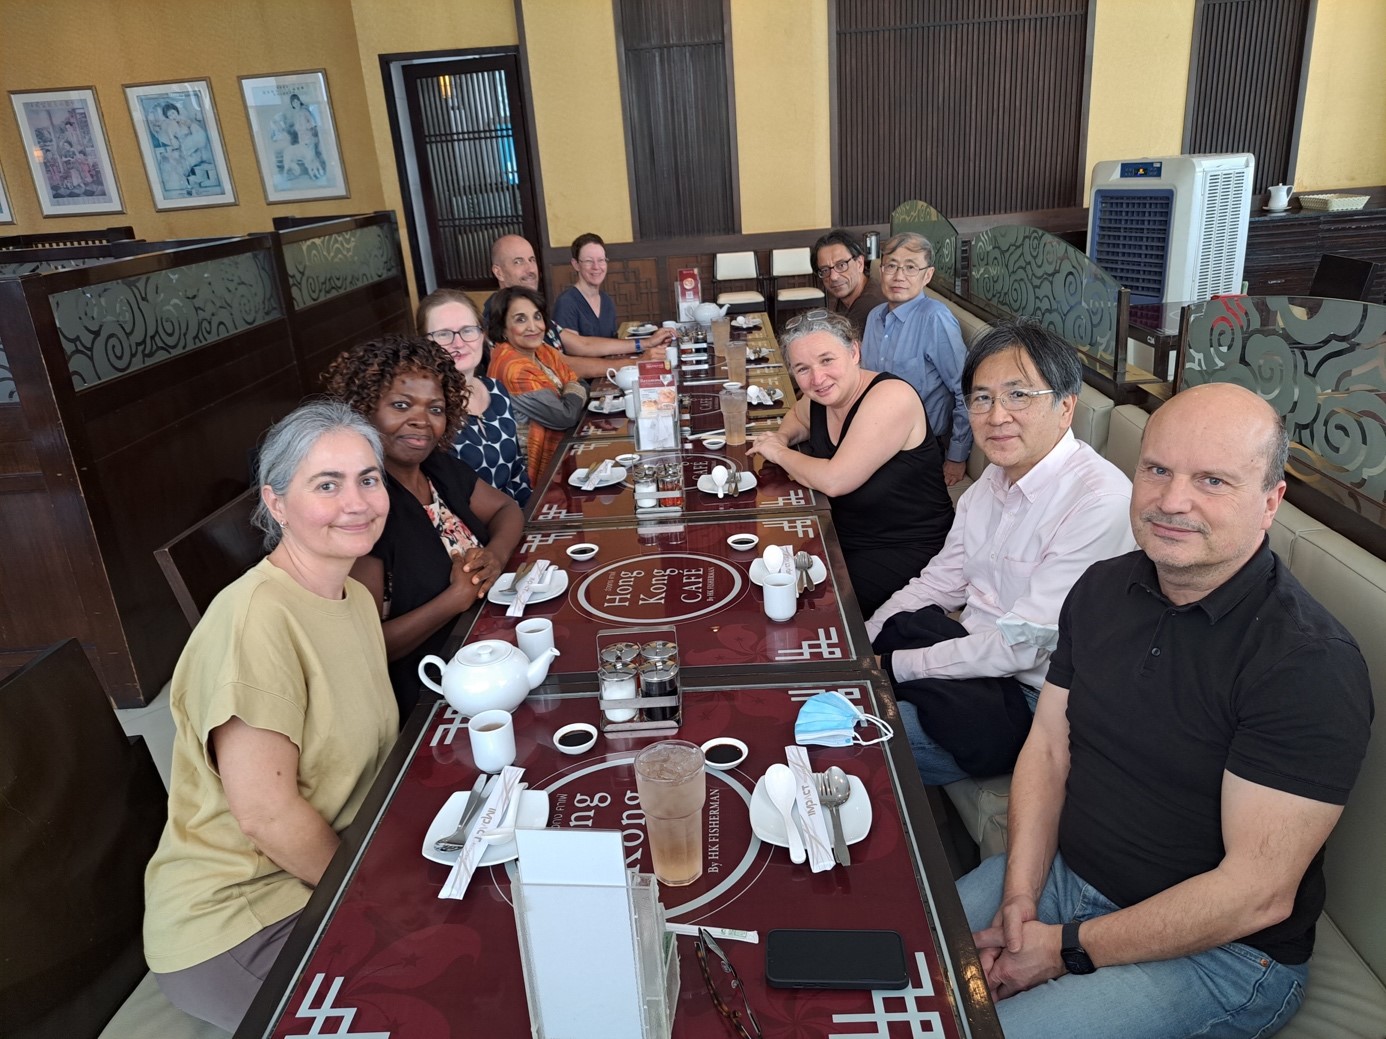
x: 834, y: 792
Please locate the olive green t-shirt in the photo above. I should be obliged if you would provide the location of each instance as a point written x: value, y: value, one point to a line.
x: 278, y: 657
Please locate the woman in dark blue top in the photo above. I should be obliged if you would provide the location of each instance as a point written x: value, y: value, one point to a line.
x: 879, y: 466
x: 583, y: 306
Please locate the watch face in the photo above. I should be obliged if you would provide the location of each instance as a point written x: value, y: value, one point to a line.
x: 1076, y: 961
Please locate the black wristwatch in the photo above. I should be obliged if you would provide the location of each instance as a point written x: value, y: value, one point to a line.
x: 1075, y: 957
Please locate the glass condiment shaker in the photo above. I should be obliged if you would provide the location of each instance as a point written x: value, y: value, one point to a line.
x: 671, y: 485
x: 659, y: 678
x: 616, y: 681
x: 662, y: 649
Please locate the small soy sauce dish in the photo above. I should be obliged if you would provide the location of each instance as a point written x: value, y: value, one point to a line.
x: 724, y: 752
x: 576, y: 738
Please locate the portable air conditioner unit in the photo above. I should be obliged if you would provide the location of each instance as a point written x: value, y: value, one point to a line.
x: 1172, y: 229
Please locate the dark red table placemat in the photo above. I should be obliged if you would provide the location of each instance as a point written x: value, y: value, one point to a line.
x: 686, y: 575
x: 558, y: 501
x: 395, y: 960
x: 700, y: 410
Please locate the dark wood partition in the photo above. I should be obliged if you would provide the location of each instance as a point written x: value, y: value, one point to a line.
x: 134, y: 390
x: 344, y: 282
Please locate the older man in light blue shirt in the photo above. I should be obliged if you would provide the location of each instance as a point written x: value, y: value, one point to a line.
x: 919, y: 339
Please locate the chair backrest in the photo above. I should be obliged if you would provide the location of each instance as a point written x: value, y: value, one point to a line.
x: 81, y: 811
x: 735, y: 267
x: 210, y: 554
x: 1343, y: 277
x: 789, y: 263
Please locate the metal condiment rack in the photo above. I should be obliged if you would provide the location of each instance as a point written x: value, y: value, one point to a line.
x: 640, y: 725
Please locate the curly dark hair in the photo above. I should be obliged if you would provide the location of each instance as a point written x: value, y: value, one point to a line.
x: 500, y: 308
x: 361, y: 374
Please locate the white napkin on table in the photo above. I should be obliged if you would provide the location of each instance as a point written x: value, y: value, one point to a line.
x: 537, y: 575
x: 811, y: 814
x: 596, y: 474
x: 492, y: 812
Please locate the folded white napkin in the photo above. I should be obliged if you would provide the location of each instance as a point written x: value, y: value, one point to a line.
x: 538, y: 575
x: 597, y: 474
x: 490, y: 817
x: 757, y: 395
x: 817, y: 841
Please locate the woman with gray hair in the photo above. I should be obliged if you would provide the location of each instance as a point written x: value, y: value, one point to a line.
x: 880, y: 467
x: 283, y: 715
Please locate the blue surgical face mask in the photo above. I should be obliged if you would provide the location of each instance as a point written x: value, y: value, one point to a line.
x: 830, y: 720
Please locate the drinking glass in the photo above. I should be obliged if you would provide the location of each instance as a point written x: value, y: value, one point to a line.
x: 672, y: 785
x: 733, y: 401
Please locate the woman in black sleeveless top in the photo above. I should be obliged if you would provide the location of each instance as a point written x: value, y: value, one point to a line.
x: 863, y: 441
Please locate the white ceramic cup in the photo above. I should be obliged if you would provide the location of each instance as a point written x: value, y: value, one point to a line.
x: 780, y: 598
x: 493, y: 740
x: 534, y: 637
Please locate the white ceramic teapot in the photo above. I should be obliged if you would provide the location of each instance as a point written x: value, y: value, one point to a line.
x: 706, y: 313
x: 486, y: 675
x: 627, y: 378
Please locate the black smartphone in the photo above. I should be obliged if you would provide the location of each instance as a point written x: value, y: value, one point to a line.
x: 835, y: 959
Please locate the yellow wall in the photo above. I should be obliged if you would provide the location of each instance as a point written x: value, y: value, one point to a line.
x: 106, y: 44
x: 1343, y: 139
x: 780, y: 67
x: 1140, y: 80
x: 580, y: 135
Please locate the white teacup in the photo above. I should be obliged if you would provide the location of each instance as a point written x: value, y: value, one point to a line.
x: 780, y: 597
x: 492, y: 735
x: 534, y: 636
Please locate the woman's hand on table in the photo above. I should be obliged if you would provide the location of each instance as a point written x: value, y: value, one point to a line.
x: 462, y: 592
x: 770, y: 446
x: 482, y: 567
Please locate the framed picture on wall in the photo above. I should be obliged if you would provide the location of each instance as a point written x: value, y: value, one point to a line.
x: 295, y: 136
x: 68, y: 156
x: 6, y: 213
x: 180, y: 142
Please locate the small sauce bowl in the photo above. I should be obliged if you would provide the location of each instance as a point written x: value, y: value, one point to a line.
x: 582, y: 551
x: 627, y: 460
x: 724, y: 752
x: 577, y: 738
x: 743, y: 542
x: 714, y: 443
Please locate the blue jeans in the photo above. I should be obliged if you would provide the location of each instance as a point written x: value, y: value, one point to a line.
x: 1231, y: 992
x: 936, y: 766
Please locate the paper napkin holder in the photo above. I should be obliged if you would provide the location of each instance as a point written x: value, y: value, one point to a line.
x: 597, y: 961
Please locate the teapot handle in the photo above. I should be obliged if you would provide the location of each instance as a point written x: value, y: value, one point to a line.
x: 611, y: 374
x: 437, y: 662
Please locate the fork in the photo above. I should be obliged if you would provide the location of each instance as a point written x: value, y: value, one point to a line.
x: 831, y: 797
x: 803, y: 562
x: 474, y: 803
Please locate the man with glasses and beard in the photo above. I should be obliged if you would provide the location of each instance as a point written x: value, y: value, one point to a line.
x: 840, y: 263
x: 919, y: 339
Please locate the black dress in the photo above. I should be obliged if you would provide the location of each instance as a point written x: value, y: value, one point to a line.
x: 896, y: 521
x: 417, y: 565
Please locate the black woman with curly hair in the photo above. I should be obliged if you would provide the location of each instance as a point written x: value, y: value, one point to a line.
x: 449, y: 533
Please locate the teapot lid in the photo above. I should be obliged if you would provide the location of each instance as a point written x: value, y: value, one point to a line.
x: 488, y: 651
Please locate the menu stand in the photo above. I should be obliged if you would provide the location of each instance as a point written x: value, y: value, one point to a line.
x: 597, y: 960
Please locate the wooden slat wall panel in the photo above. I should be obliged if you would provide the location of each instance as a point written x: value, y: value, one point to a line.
x: 974, y: 106
x: 676, y: 103
x: 1246, y: 83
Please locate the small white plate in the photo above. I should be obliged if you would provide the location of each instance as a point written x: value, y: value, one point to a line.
x: 607, y: 405
x: 746, y: 481
x: 502, y: 593
x: 582, y: 551
x: 735, y: 749
x: 768, y: 824
x: 744, y: 542
x: 615, y: 476
x: 533, y: 815
x: 641, y: 331
x: 818, y: 572
x: 588, y: 731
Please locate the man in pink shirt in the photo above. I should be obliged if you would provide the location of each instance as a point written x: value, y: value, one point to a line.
x: 1046, y: 508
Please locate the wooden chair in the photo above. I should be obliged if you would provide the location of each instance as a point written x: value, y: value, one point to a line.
x: 210, y: 554
x: 792, y: 265
x: 81, y: 810
x: 737, y: 267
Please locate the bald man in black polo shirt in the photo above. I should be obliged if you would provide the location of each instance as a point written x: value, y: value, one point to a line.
x: 1202, y: 723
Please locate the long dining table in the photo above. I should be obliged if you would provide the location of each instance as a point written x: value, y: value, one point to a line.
x: 377, y: 953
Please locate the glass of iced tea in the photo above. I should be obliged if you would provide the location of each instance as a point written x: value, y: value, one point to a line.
x: 672, y: 785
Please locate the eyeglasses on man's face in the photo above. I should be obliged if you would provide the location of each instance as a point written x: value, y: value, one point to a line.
x: 592, y: 264
x: 911, y: 270
x: 744, y: 1021
x: 841, y: 267
x: 445, y: 336
x: 1012, y: 400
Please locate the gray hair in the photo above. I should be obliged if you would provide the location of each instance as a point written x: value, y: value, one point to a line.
x: 912, y: 240
x: 836, y: 325
x: 287, y: 444
x: 1277, y: 453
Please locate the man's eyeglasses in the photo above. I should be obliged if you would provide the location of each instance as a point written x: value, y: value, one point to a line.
x: 445, y: 336
x: 911, y: 270
x: 840, y: 267
x: 592, y: 263
x: 1011, y: 400
x: 742, y: 1020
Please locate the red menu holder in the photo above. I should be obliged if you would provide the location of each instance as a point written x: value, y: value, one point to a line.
x: 688, y: 293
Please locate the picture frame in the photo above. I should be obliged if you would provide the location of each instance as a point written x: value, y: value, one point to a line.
x: 6, y: 212
x: 69, y: 158
x: 181, y: 144
x: 295, y: 136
